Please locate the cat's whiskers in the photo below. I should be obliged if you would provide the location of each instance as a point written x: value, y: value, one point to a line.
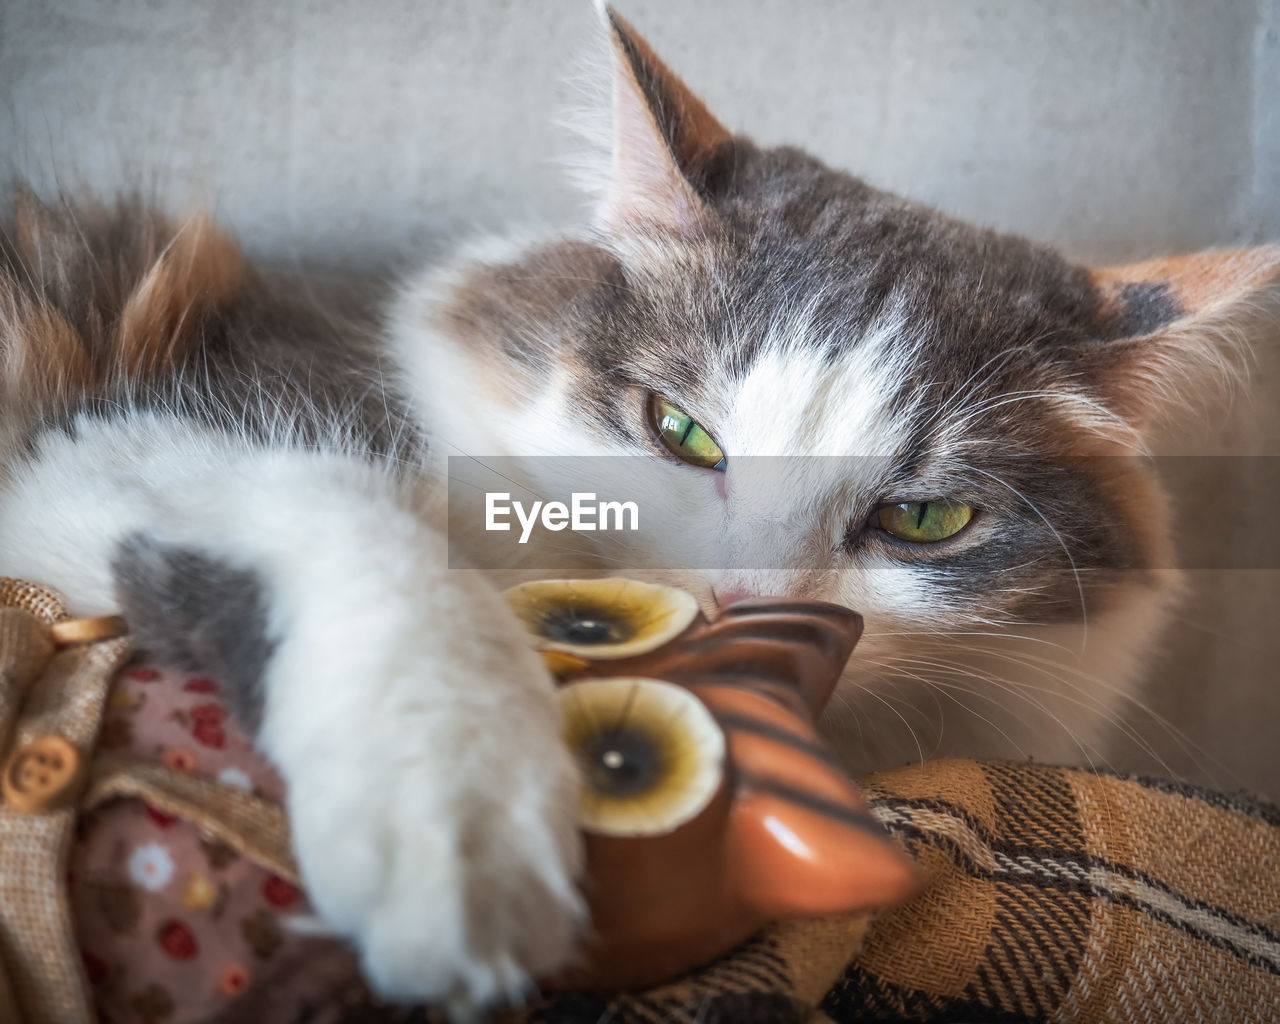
x: 1090, y: 680
x: 1010, y: 397
x: 1084, y: 608
x: 944, y: 633
x: 970, y: 385
x: 1015, y: 688
x: 938, y: 723
x: 1093, y: 706
x: 1086, y: 683
x: 899, y: 667
x: 933, y: 696
x: 880, y: 697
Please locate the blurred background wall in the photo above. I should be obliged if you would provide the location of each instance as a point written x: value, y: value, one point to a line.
x: 363, y: 135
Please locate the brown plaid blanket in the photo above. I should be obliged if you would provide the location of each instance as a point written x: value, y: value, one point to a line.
x: 1056, y: 895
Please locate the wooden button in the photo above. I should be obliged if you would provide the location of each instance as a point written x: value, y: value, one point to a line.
x: 41, y: 775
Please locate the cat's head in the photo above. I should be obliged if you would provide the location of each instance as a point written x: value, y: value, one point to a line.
x: 943, y: 408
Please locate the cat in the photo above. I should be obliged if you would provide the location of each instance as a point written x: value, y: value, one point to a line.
x: 251, y: 470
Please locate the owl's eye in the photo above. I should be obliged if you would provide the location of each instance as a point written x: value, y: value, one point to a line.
x: 649, y: 754
x: 601, y: 619
x: 924, y: 522
x: 683, y: 436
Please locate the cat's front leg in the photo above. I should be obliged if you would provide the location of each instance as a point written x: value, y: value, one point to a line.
x: 431, y: 799
x: 430, y: 795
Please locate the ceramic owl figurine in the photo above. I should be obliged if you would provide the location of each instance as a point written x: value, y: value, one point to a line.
x: 709, y: 803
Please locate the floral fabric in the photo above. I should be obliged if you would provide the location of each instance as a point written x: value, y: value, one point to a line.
x: 174, y: 927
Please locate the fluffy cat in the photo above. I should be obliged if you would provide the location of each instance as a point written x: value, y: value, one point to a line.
x: 254, y: 477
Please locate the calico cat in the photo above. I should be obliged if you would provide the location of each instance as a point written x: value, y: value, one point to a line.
x: 254, y: 477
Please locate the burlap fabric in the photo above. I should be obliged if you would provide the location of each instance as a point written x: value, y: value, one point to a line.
x: 55, y: 675
x: 1055, y: 894
x: 44, y: 690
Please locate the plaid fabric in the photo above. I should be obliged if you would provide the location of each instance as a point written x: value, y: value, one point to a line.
x: 1067, y: 895
x: 1055, y: 895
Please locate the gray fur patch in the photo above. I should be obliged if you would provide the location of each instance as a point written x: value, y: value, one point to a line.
x: 193, y: 612
x: 1145, y: 306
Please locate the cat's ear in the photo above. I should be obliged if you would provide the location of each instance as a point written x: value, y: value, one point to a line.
x: 665, y: 142
x: 1178, y: 327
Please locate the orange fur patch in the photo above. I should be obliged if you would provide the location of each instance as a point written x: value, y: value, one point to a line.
x: 43, y: 356
x: 200, y: 271
x: 1198, y: 351
x: 92, y: 298
x: 1200, y: 280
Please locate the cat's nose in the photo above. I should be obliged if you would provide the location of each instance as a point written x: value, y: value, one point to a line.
x: 725, y: 596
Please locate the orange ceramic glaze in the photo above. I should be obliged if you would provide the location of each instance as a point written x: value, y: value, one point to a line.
x: 803, y: 840
x: 788, y: 859
x: 772, y: 748
x: 783, y: 832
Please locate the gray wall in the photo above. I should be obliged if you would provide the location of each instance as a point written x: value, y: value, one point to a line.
x: 352, y: 134
x: 353, y: 131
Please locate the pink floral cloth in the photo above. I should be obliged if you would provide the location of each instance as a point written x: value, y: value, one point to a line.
x: 176, y: 927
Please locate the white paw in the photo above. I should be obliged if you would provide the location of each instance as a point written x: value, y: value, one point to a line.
x: 435, y: 819
x: 474, y: 911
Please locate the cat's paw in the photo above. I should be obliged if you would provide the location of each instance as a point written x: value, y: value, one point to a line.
x: 436, y: 825
x: 471, y: 914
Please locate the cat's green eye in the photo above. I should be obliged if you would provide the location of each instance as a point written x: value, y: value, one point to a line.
x: 683, y: 436
x: 924, y: 522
